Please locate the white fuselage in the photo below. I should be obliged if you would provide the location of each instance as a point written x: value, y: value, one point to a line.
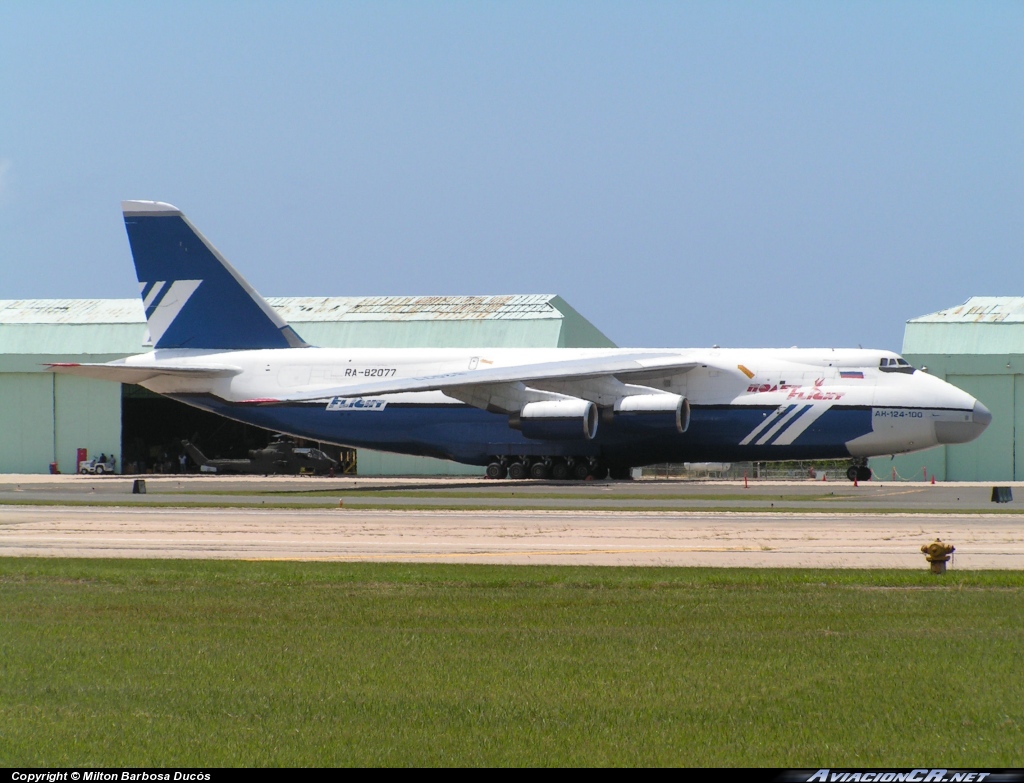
x: 908, y: 410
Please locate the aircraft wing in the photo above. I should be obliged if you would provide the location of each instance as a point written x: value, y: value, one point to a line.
x: 122, y: 373
x: 624, y: 367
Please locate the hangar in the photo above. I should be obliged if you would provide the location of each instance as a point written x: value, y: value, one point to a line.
x: 978, y: 346
x: 46, y: 418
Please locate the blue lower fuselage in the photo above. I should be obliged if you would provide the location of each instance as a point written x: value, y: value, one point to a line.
x: 470, y: 435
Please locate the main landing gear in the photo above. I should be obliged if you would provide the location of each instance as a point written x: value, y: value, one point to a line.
x: 859, y: 471
x: 558, y: 468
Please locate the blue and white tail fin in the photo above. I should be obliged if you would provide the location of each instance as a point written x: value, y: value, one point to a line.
x: 193, y: 297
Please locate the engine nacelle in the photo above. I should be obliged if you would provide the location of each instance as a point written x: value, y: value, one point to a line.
x: 557, y: 420
x: 654, y: 410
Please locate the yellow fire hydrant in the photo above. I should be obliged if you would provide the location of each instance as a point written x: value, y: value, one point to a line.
x: 938, y: 554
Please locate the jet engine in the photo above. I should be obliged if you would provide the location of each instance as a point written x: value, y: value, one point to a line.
x: 653, y: 410
x: 557, y: 420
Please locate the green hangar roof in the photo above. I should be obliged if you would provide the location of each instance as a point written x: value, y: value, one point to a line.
x: 981, y: 325
x: 511, y: 321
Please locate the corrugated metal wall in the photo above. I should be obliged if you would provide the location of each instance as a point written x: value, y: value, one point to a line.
x: 88, y: 415
x: 990, y: 457
x: 46, y: 418
x: 26, y: 421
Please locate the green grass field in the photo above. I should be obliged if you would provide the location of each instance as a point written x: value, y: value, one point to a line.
x: 132, y: 662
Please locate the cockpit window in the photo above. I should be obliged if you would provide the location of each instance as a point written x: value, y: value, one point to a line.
x: 898, y: 364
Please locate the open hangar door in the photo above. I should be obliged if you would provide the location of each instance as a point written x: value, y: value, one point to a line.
x: 153, y: 427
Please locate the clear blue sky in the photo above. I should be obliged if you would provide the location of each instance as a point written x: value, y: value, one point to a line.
x: 683, y: 173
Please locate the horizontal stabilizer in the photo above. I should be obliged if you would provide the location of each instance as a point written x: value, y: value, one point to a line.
x: 121, y: 373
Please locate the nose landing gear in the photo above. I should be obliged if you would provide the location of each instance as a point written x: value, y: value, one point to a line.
x: 859, y: 471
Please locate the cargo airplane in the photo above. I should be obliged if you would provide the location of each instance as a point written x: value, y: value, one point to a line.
x: 521, y: 413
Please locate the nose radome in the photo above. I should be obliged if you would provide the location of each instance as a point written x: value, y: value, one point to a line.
x: 982, y: 415
x: 972, y: 425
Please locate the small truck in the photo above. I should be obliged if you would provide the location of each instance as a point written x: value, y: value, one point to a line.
x: 98, y: 465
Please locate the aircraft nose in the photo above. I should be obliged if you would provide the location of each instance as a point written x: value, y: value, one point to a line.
x: 972, y: 425
x: 982, y: 415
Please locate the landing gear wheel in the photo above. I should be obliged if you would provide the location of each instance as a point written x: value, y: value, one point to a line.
x: 560, y: 470
x: 864, y: 473
x: 496, y: 471
x: 599, y: 471
x: 517, y: 471
x: 580, y: 471
x: 540, y: 470
x: 852, y: 472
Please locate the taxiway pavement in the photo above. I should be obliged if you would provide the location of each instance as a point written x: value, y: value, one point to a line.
x: 650, y: 538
